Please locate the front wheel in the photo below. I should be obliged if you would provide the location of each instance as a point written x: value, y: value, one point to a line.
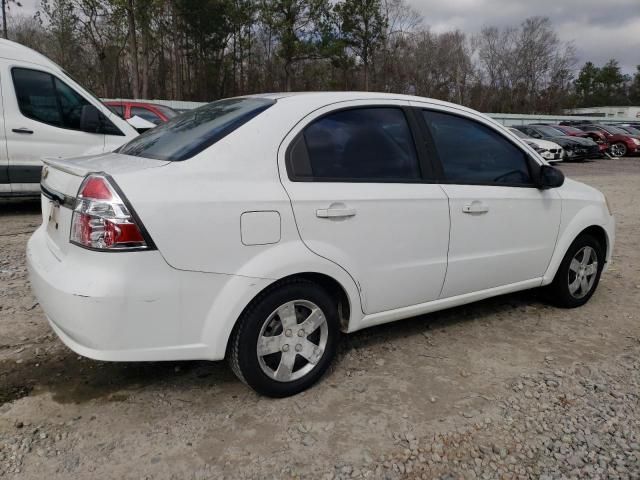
x: 578, y: 274
x: 618, y: 149
x: 286, y: 339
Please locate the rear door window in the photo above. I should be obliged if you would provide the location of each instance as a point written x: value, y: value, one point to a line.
x: 186, y: 135
x: 372, y: 144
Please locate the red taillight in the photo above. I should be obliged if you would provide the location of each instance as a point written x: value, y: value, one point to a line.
x: 102, y: 220
x: 96, y: 188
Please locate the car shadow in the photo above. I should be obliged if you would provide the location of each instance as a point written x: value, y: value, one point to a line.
x: 19, y: 206
x: 73, y: 379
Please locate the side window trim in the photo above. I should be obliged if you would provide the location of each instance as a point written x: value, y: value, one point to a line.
x: 425, y: 165
x: 440, y: 169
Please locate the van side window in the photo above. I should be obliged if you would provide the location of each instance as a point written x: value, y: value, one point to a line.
x: 47, y: 99
x: 71, y: 104
x: 37, y: 97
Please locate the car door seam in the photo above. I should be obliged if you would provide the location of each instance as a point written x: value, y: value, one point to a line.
x: 295, y: 221
x: 446, y: 268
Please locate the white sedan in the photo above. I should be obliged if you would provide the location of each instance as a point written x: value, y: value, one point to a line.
x: 258, y: 228
x: 550, y: 151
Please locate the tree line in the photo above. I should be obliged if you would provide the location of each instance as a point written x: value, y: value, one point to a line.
x: 207, y: 49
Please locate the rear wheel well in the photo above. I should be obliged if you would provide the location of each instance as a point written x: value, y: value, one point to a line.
x: 334, y: 289
x: 332, y: 286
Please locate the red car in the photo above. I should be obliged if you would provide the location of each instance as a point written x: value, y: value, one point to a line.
x: 151, y: 112
x: 622, y: 143
x: 598, y: 137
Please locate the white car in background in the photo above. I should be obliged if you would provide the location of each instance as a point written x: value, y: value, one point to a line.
x: 550, y: 151
x: 257, y: 228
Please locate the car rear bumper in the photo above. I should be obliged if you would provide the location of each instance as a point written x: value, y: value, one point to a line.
x: 125, y: 306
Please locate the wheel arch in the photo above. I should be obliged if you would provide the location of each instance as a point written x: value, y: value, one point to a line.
x: 581, y: 225
x: 241, y: 290
x: 599, y: 234
x: 330, y: 284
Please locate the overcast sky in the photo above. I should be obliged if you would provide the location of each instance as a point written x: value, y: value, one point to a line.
x: 599, y: 29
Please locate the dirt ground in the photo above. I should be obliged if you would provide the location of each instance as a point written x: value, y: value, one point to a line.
x: 432, y: 379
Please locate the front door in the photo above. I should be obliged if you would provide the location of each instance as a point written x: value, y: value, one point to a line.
x: 42, y: 118
x: 503, y: 228
x: 355, y: 181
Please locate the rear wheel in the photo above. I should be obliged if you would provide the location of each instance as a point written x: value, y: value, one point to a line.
x: 618, y: 149
x: 579, y: 273
x: 286, y: 339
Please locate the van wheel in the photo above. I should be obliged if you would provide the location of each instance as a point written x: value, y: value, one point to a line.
x: 286, y: 339
x: 579, y: 273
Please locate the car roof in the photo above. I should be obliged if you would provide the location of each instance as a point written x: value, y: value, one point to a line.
x: 15, y: 51
x: 328, y: 97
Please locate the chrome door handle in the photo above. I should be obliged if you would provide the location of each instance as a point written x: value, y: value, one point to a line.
x: 475, y: 207
x: 335, y: 212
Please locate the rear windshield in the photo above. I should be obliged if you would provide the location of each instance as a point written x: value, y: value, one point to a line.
x: 550, y: 131
x: 188, y: 134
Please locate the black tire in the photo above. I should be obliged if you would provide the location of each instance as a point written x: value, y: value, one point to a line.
x: 243, y: 356
x: 559, y: 290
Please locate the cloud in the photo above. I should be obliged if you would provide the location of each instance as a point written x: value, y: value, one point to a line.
x: 600, y: 30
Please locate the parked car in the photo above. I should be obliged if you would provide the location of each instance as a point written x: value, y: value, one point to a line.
x: 550, y: 151
x: 622, y: 143
x: 597, y: 137
x: 46, y: 112
x: 630, y: 129
x: 256, y: 228
x: 575, y: 148
x: 151, y: 112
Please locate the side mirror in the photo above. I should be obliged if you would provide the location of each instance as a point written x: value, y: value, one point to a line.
x: 90, y: 119
x: 550, y: 177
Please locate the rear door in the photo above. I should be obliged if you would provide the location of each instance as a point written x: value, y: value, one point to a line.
x: 42, y: 117
x: 503, y: 228
x: 355, y: 177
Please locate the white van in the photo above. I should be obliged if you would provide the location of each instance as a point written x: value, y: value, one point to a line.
x: 44, y: 113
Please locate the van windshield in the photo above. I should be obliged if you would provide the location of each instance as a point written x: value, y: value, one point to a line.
x: 188, y: 134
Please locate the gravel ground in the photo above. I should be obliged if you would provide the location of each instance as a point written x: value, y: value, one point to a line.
x: 505, y: 388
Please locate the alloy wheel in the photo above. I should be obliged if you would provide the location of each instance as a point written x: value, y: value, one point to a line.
x: 583, y: 271
x: 618, y: 150
x: 292, y: 340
